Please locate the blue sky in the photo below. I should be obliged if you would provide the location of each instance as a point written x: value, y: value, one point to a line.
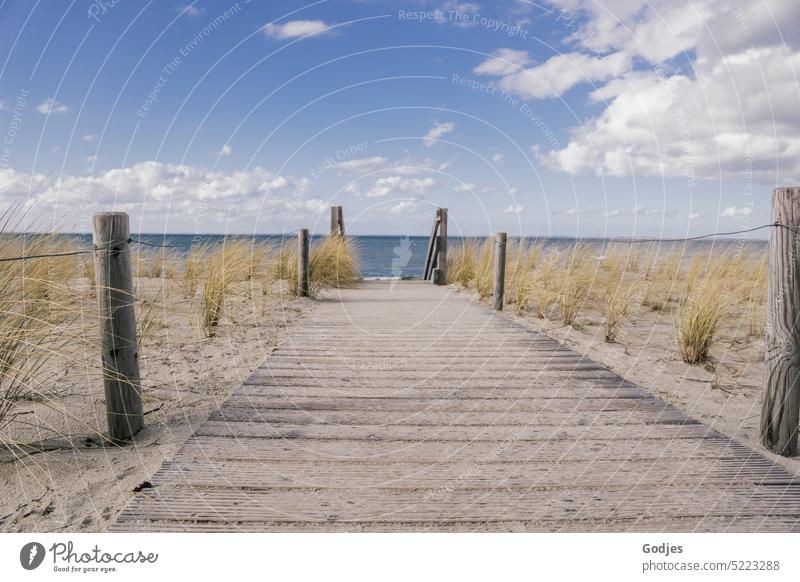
x: 567, y: 118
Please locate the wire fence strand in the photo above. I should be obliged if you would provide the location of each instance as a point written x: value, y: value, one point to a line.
x: 80, y: 252
x: 713, y: 234
x: 627, y: 241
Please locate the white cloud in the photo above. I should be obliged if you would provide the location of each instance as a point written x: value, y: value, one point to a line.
x: 498, y: 158
x: 736, y: 213
x: 462, y: 7
x: 91, y: 159
x: 505, y: 61
x: 408, y: 168
x: 464, y: 187
x: 450, y: 10
x: 555, y: 76
x: 437, y: 131
x: 191, y: 10
x: 226, y: 150
x: 401, y: 185
x: 295, y: 29
x: 407, y: 207
x: 12, y: 183
x: 514, y: 209
x: 612, y: 213
x: 642, y: 211
x: 154, y: 188
x: 713, y: 95
x: 574, y: 211
x: 90, y: 137
x: 362, y: 164
x: 314, y: 205
x: 695, y: 215
x: 50, y: 105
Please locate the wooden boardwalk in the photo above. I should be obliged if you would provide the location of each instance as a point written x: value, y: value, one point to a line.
x: 408, y: 407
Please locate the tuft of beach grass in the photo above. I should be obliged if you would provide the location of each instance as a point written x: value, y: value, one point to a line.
x: 332, y: 263
x: 698, y: 319
x: 462, y: 262
x: 36, y: 303
x: 576, y: 277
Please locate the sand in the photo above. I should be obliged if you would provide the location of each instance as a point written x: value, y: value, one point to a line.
x: 83, y: 484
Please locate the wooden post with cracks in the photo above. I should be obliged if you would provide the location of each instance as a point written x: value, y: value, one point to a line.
x: 780, y: 413
x: 115, y: 302
x: 499, y: 287
x: 302, y: 263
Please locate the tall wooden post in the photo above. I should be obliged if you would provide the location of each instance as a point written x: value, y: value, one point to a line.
x: 499, y: 288
x: 337, y: 220
x: 302, y: 263
x: 440, y: 272
x: 780, y: 413
x: 115, y: 299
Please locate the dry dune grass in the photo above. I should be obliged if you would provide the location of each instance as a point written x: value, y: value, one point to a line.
x: 484, y: 269
x: 332, y: 263
x: 36, y: 299
x: 462, y: 262
x: 576, y: 280
x: 40, y: 300
x: 576, y: 285
x: 617, y: 292
x: 220, y: 267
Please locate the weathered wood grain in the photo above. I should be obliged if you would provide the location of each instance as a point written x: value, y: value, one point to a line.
x: 408, y: 407
x: 337, y: 221
x: 780, y: 416
x: 499, y: 284
x: 302, y: 262
x: 115, y: 302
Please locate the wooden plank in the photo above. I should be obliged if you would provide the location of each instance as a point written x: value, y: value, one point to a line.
x: 245, y: 413
x: 327, y: 402
x: 457, y: 505
x: 572, y: 432
x: 479, y: 474
x: 677, y: 524
x: 542, y: 391
x: 355, y: 376
x: 553, y: 451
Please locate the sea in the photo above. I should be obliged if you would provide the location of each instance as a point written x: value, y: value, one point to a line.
x: 403, y: 257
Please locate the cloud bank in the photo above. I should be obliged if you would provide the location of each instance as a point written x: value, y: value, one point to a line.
x: 701, y: 89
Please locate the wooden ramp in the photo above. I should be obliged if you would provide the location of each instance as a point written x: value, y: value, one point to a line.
x: 407, y: 407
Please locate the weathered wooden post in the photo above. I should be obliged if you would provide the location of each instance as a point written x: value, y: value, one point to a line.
x: 780, y: 413
x: 115, y: 299
x: 440, y: 272
x: 302, y: 263
x: 337, y: 220
x: 499, y: 289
